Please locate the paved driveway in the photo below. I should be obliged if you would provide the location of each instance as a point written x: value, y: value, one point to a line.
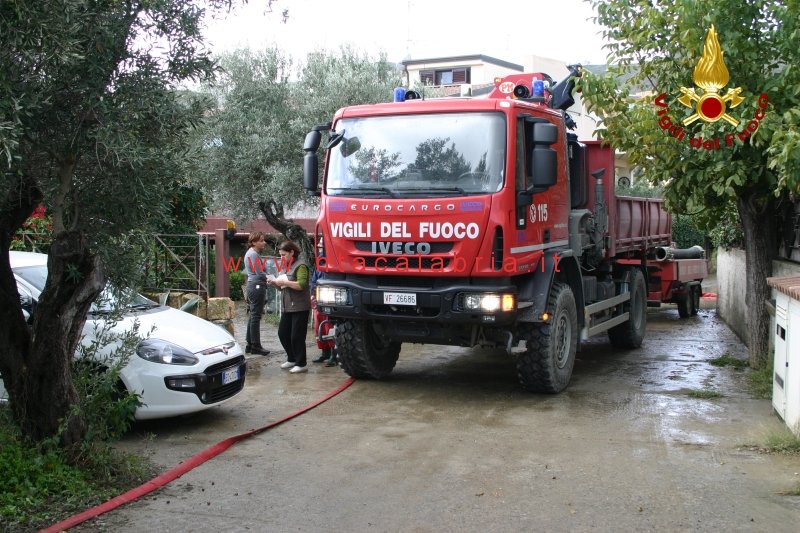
x: 450, y: 443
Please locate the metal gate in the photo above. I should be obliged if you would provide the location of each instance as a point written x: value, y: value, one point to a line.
x: 177, y: 263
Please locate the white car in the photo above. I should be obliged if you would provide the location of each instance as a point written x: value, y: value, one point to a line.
x: 185, y: 364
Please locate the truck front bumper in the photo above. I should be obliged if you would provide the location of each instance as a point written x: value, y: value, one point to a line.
x: 461, y: 303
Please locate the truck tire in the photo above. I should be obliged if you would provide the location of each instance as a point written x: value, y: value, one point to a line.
x: 362, y: 353
x: 630, y: 334
x: 546, y: 365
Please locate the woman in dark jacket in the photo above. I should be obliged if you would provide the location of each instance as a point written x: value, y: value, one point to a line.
x: 295, y: 305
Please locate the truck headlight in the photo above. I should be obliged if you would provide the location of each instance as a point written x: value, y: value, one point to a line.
x: 165, y: 353
x: 333, y: 295
x: 488, y: 303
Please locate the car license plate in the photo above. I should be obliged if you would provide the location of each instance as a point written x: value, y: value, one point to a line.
x: 230, y: 375
x: 399, y: 298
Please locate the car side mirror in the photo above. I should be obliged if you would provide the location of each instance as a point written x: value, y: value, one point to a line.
x: 27, y: 303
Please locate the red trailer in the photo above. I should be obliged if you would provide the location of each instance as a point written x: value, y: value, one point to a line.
x: 484, y: 221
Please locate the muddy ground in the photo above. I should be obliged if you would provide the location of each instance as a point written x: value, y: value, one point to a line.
x: 450, y: 443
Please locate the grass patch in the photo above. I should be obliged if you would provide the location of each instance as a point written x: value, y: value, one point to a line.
x: 783, y: 442
x: 760, y: 382
x: 38, y: 487
x: 792, y: 492
x: 727, y: 360
x: 705, y: 394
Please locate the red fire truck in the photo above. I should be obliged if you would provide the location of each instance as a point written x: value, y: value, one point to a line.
x: 484, y: 221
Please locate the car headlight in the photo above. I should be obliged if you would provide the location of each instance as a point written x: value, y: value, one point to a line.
x: 332, y: 295
x: 488, y: 303
x: 167, y: 353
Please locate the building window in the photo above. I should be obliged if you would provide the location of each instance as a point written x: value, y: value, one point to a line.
x: 450, y: 76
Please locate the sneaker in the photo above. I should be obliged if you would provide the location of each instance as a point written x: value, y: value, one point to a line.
x: 298, y: 369
x: 332, y: 362
x: 321, y: 359
x: 287, y: 364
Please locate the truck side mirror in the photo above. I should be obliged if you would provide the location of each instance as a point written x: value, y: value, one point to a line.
x: 311, y: 162
x: 542, y: 161
x: 544, y: 167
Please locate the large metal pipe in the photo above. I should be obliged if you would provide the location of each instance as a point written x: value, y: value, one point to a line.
x: 667, y: 253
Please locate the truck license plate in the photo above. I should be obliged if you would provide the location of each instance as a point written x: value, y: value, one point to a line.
x: 399, y: 298
x: 230, y: 375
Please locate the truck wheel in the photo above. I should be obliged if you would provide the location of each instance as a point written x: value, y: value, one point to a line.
x: 362, y: 353
x: 546, y: 365
x: 630, y: 334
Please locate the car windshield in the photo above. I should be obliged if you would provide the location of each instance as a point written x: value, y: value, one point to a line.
x: 417, y: 155
x: 108, y: 300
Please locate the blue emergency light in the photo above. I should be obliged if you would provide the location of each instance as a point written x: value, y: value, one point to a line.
x: 401, y: 94
x: 538, y: 88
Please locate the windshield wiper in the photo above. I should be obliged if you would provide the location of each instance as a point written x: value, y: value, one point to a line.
x: 365, y: 189
x: 143, y: 307
x: 435, y: 189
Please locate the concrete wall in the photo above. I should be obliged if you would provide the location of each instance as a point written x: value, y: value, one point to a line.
x: 732, y: 284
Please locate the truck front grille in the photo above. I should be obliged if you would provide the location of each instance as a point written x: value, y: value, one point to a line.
x: 409, y: 264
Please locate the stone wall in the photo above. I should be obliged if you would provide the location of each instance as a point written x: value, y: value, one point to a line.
x: 220, y: 311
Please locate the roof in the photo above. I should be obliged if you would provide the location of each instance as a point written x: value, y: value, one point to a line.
x: 26, y: 259
x: 474, y: 57
x: 788, y: 285
x: 624, y: 79
x: 216, y: 223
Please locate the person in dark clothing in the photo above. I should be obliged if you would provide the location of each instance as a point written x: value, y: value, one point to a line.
x: 293, y: 281
x: 256, y: 291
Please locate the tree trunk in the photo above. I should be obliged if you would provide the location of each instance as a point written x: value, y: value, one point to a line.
x: 19, y: 201
x: 42, y: 394
x: 274, y: 215
x: 757, y: 214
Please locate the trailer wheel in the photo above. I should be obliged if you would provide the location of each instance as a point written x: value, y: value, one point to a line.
x: 630, y: 334
x: 685, y: 306
x: 362, y: 352
x: 546, y: 365
x: 695, y: 299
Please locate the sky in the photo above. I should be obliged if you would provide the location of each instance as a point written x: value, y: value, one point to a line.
x: 416, y: 29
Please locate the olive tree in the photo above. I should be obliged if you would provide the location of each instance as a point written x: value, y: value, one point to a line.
x: 92, y: 126
x: 671, y: 55
x: 266, y: 102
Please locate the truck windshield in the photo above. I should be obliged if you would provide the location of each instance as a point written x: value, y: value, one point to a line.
x: 418, y: 155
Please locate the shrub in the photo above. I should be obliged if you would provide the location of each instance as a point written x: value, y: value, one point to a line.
x: 36, y: 233
x: 685, y: 232
x: 728, y: 231
x: 237, y: 279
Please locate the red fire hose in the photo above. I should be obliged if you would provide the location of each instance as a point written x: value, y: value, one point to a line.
x: 184, y: 467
